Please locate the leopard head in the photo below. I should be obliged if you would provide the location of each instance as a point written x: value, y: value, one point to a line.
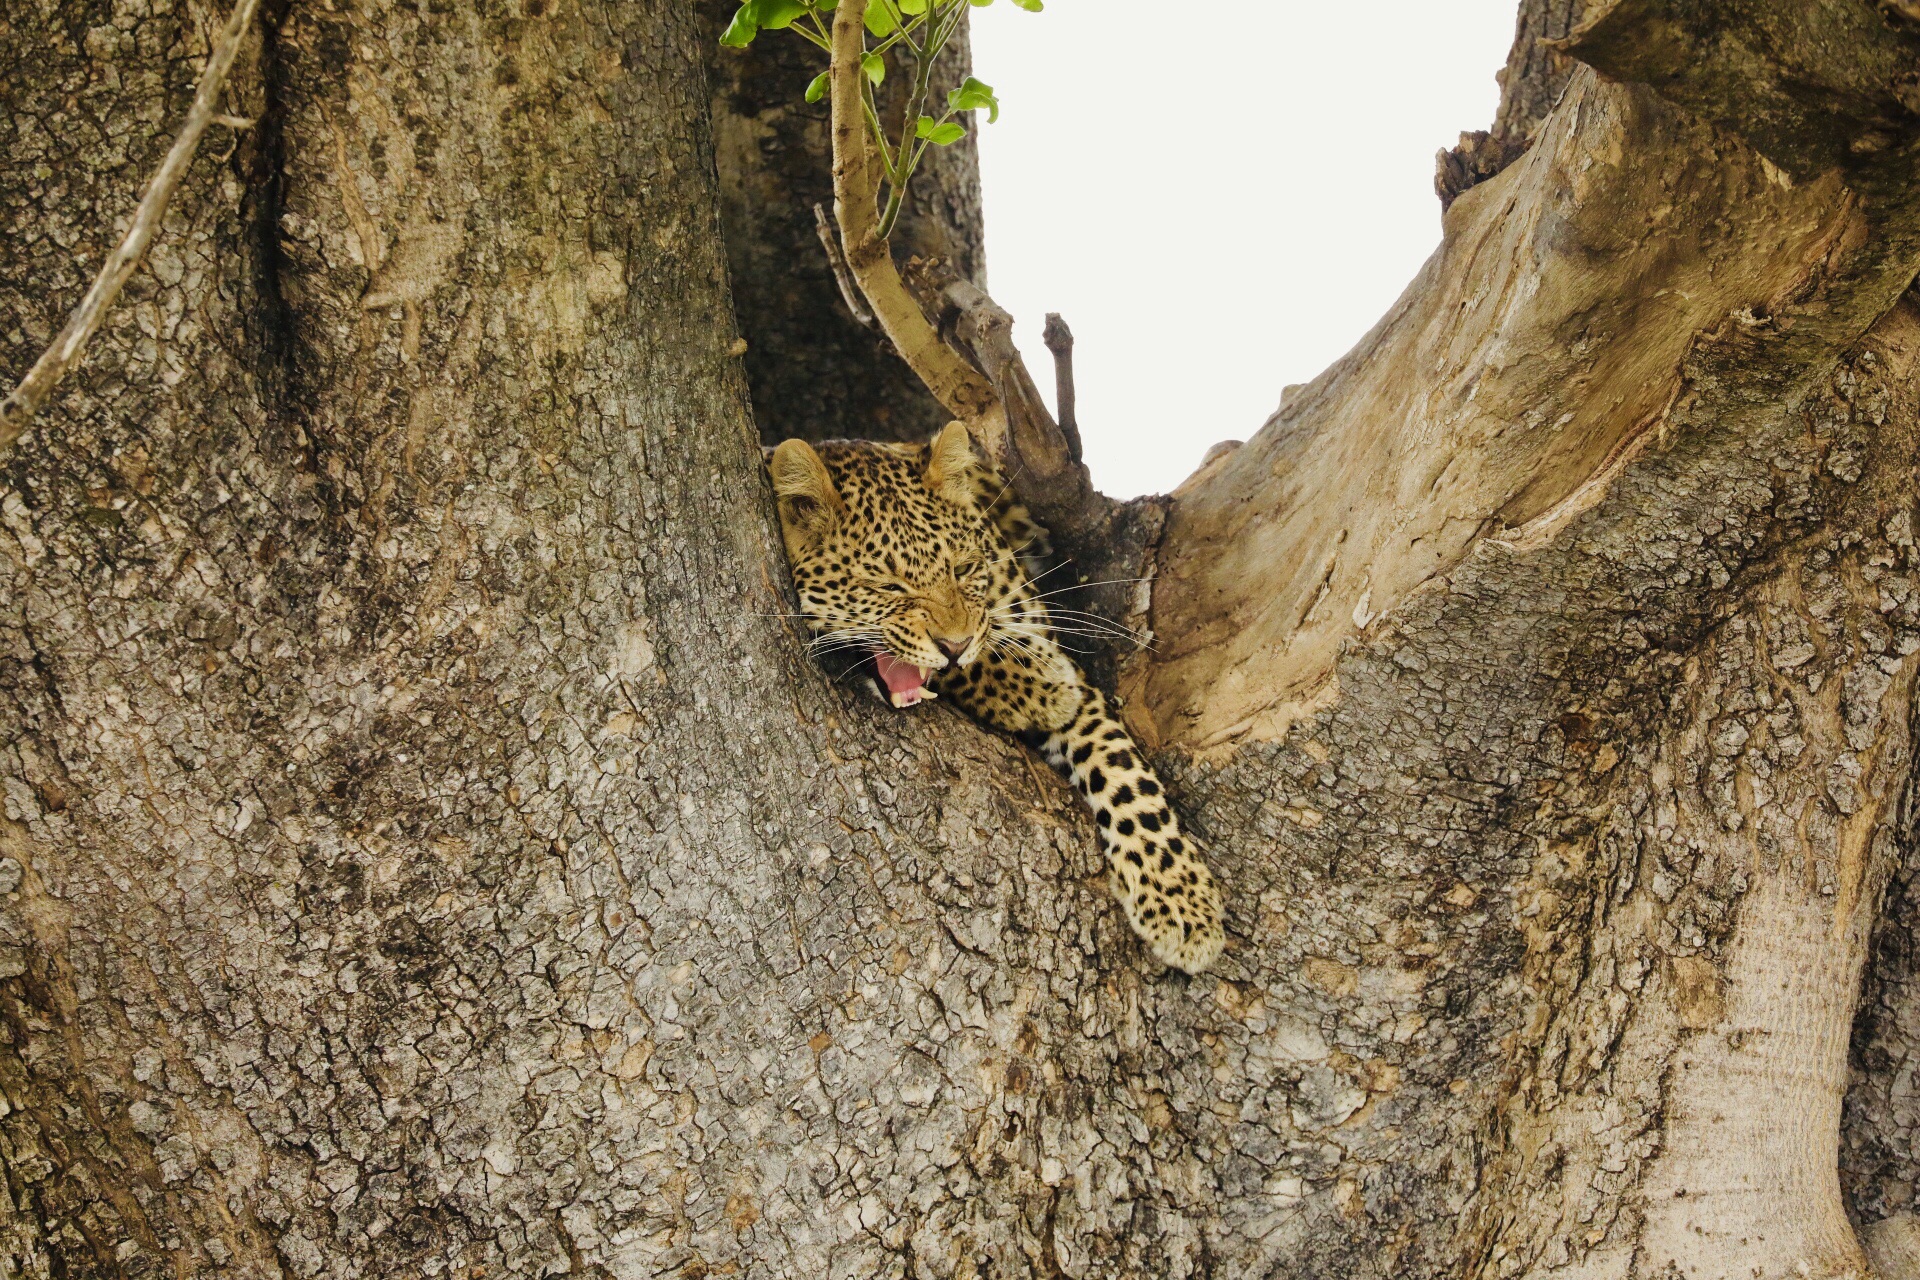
x: 894, y: 553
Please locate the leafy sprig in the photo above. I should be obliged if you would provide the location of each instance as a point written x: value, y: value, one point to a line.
x: 913, y: 31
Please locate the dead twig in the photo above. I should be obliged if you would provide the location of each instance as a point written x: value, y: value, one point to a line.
x: 54, y: 363
x: 1042, y: 460
x: 1059, y: 340
x: 849, y: 291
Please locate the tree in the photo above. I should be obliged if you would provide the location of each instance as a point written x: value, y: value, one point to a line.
x: 426, y: 850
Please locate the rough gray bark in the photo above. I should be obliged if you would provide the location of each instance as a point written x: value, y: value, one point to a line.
x: 1880, y: 1155
x: 425, y: 850
x: 814, y: 372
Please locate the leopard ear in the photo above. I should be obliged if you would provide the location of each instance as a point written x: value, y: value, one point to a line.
x: 951, y: 463
x: 809, y: 504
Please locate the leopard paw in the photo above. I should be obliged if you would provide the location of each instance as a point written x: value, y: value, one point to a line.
x: 1177, y: 915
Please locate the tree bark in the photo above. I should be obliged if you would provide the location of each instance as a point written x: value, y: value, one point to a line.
x: 426, y: 851
x: 1531, y: 83
x: 1879, y: 1164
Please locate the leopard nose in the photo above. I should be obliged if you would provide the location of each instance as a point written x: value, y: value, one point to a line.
x: 954, y: 645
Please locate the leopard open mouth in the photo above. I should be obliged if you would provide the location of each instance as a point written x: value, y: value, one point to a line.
x: 906, y: 683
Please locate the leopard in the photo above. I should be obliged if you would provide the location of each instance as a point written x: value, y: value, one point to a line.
x: 918, y: 563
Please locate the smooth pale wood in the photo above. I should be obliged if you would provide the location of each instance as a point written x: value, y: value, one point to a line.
x: 1747, y: 1174
x: 1531, y: 358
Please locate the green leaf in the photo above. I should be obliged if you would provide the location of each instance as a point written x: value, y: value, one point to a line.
x: 939, y: 134
x: 875, y: 66
x: 741, y: 31
x: 1031, y: 6
x: 973, y: 95
x: 880, y: 19
x: 818, y: 88
x: 912, y: 6
x: 777, y: 15
x: 757, y: 15
x: 981, y: 4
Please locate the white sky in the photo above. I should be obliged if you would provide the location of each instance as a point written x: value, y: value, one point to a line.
x: 1219, y: 198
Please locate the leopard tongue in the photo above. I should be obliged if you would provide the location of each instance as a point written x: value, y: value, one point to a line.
x: 906, y: 683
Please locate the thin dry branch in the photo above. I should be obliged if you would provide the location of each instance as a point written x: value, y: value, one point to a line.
x: 849, y: 292
x: 1043, y: 460
x: 18, y: 409
x: 1059, y: 340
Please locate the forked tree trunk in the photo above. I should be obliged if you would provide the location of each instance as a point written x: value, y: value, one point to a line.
x: 425, y: 850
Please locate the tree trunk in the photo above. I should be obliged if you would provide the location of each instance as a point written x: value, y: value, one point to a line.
x: 426, y: 850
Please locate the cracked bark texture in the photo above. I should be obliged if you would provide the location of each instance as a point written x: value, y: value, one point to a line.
x: 813, y: 370
x: 425, y: 850
x: 1878, y: 1163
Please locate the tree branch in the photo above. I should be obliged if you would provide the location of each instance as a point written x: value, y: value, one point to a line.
x: 1633, y: 238
x: 1043, y: 461
x: 992, y: 393
x: 856, y: 183
x: 18, y: 409
x: 1059, y: 340
x: 849, y: 292
x: 1811, y: 87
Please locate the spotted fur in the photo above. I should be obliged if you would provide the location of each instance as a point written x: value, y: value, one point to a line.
x: 916, y: 551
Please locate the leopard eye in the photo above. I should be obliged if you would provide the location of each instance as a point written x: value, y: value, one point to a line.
x: 894, y: 587
x: 966, y: 568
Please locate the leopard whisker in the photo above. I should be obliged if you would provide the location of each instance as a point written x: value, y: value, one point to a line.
x: 1075, y: 618
x: 1079, y: 586
x: 1080, y: 617
x: 844, y: 638
x: 1044, y: 572
x: 841, y: 646
x: 1135, y: 641
x: 1003, y: 493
